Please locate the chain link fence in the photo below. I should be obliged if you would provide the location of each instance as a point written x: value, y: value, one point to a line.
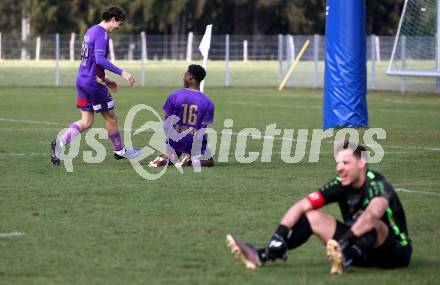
x: 160, y: 60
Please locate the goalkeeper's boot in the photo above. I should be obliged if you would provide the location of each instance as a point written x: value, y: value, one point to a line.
x: 247, y: 253
x: 159, y: 161
x: 55, y: 152
x: 126, y: 153
x: 336, y: 257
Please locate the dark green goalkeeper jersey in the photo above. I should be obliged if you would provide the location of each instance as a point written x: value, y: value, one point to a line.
x: 352, y: 202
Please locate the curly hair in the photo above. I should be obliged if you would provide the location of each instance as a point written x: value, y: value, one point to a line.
x: 114, y: 11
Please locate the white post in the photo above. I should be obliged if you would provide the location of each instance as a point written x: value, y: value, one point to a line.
x: 245, y: 50
x: 143, y: 57
x: 290, y: 55
x: 57, y: 60
x: 227, y: 60
x: 402, y: 63
x: 72, y: 47
x: 377, y: 48
x: 280, y: 57
x: 291, y: 47
x: 373, y: 61
x: 189, y: 47
x: 37, y: 48
x: 438, y: 44
x: 24, y: 35
x: 316, y: 61
x: 112, y: 50
x: 131, y: 47
x: 438, y: 36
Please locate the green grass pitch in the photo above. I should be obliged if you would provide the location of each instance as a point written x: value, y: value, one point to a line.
x: 104, y: 224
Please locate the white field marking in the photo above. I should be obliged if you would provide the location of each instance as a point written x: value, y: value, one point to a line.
x: 30, y: 122
x: 332, y: 142
x: 312, y: 107
x: 417, y: 192
x: 272, y: 105
x: 409, y: 102
x: 233, y: 133
x: 24, y: 154
x: 28, y: 129
x: 12, y: 234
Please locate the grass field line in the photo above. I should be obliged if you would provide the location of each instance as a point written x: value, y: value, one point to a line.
x: 24, y: 154
x: 232, y: 133
x: 271, y: 105
x: 332, y: 142
x: 417, y: 192
x: 409, y: 102
x: 11, y: 234
x: 312, y: 107
x: 30, y: 122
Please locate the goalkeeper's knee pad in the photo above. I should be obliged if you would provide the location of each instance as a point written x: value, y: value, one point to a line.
x: 277, y: 248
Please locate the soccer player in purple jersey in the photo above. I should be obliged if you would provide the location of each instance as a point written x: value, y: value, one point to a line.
x: 93, y: 87
x: 195, y: 111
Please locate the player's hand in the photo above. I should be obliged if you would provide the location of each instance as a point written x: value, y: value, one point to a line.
x: 112, y: 85
x: 127, y: 76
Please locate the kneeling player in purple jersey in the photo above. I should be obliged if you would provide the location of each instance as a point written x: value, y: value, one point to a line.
x: 193, y: 111
x: 373, y: 232
x: 92, y: 86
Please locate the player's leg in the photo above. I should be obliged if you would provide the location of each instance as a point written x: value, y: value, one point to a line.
x: 84, y: 104
x: 86, y: 121
x: 203, y: 158
x: 345, y: 249
x: 111, y: 125
x: 103, y: 103
x: 285, y: 239
x: 392, y: 253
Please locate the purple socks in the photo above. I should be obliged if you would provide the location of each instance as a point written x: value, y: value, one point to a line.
x: 116, y: 141
x: 70, y: 133
x: 74, y: 130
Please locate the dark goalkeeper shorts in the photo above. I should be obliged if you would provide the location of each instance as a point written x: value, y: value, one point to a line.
x: 391, y: 254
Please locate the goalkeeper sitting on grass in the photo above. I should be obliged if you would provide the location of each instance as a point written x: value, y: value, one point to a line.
x: 373, y: 232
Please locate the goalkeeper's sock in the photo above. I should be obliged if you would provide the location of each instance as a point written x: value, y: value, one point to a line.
x: 285, y: 239
x: 69, y: 134
x: 357, y: 249
x: 299, y: 233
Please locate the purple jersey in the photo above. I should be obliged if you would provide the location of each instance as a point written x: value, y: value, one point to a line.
x: 94, y: 52
x: 195, y: 111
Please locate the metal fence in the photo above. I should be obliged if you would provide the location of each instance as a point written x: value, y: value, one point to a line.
x: 253, y: 60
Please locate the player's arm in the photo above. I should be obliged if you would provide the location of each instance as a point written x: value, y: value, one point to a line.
x: 295, y: 212
x: 101, y: 60
x: 370, y: 218
x: 325, y: 195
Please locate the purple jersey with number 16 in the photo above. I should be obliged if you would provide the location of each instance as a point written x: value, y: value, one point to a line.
x: 195, y: 111
x: 92, y: 93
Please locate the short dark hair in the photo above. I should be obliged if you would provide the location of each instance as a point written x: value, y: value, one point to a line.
x: 197, y: 71
x: 356, y: 148
x: 113, y: 11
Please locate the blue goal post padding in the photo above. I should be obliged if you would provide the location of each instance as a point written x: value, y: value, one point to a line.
x: 345, y: 82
